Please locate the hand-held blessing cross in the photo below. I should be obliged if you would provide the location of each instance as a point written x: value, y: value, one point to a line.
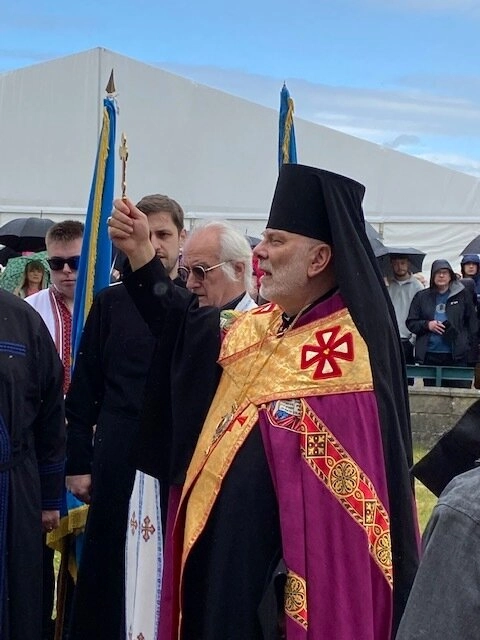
x: 124, y: 158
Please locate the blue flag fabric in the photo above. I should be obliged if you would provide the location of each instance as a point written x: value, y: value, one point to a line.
x: 287, y: 149
x: 96, y: 257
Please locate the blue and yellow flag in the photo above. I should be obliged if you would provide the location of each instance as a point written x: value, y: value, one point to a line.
x: 287, y: 149
x: 96, y: 258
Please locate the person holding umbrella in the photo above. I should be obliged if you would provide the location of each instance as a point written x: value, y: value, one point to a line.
x: 35, y: 278
x: 402, y: 289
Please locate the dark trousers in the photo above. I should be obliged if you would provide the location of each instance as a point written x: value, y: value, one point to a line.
x: 445, y: 360
x: 408, y: 353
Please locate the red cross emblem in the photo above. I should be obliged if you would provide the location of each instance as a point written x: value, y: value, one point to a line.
x: 147, y: 529
x: 133, y: 523
x: 330, y: 348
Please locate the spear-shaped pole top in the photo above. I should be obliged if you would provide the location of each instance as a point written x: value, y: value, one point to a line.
x: 110, y: 88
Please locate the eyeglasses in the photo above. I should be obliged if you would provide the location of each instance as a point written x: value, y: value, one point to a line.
x: 198, y: 272
x: 57, y: 264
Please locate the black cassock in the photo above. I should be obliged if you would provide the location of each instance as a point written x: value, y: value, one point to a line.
x: 107, y: 391
x: 32, y: 456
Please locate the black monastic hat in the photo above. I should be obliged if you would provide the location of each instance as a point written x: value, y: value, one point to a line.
x: 305, y: 198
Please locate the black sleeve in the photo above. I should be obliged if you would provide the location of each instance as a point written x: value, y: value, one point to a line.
x: 49, y: 428
x: 471, y: 321
x: 156, y: 296
x: 85, y: 396
x: 183, y: 376
x: 415, y: 322
x: 456, y: 452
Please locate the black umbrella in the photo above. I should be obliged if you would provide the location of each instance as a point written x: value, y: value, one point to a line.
x: 253, y: 241
x: 6, y: 253
x: 372, y: 233
x: 472, y: 247
x: 25, y: 234
x: 374, y: 238
x: 415, y: 256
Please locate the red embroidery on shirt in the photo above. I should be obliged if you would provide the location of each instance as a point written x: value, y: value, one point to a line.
x: 66, y: 342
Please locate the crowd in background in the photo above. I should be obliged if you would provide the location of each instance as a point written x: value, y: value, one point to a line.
x: 438, y: 325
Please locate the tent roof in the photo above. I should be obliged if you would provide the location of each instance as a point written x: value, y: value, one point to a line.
x: 214, y: 152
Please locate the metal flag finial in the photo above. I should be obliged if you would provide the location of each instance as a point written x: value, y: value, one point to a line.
x: 110, y: 88
x: 124, y: 158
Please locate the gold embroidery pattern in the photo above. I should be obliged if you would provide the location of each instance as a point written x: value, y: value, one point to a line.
x: 344, y: 478
x: 383, y: 548
x: 329, y: 351
x: 296, y: 599
x: 316, y: 443
x: 332, y: 464
x: 246, y: 354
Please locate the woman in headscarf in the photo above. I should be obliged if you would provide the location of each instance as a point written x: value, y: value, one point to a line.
x: 35, y: 278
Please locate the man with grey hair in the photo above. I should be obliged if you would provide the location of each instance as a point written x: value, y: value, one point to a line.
x: 217, y: 267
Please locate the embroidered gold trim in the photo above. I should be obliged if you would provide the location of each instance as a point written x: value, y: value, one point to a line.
x: 333, y: 465
x: 272, y: 378
x: 324, y: 357
x: 296, y: 599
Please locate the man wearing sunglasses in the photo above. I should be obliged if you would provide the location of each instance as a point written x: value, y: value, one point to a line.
x: 296, y: 518
x: 55, y: 304
x: 217, y: 267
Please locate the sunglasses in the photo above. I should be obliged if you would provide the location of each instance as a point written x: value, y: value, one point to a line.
x: 57, y: 264
x: 198, y: 272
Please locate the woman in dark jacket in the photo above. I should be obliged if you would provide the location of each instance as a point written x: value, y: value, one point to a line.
x: 444, y: 320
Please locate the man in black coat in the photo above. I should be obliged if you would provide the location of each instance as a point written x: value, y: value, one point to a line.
x: 32, y: 452
x: 103, y: 407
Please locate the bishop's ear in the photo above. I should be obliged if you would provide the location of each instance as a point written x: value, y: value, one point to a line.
x: 321, y: 258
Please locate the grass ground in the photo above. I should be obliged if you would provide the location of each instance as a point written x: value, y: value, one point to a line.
x: 425, y: 499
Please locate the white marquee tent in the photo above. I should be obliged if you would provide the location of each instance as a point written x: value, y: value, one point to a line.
x: 215, y: 153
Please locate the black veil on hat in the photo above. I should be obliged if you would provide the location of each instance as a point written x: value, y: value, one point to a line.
x: 327, y: 206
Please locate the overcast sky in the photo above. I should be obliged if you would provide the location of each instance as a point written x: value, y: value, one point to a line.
x: 401, y: 73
